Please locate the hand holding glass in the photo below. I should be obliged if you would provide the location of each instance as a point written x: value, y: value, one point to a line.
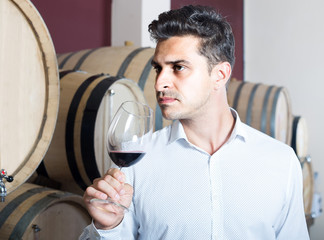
x: 129, y: 134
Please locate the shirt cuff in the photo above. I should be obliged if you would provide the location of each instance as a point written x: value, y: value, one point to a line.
x: 99, y: 234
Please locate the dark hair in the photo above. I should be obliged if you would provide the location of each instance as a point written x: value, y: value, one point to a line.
x: 217, y: 40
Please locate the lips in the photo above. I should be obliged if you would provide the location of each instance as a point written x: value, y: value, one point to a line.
x: 166, y: 100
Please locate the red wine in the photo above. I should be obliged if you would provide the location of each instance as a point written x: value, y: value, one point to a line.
x: 125, y: 159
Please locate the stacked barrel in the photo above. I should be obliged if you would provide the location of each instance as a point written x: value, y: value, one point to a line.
x: 57, y: 111
x: 78, y: 154
x: 29, y: 103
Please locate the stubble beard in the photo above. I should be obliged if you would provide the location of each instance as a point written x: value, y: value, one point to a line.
x: 177, y: 114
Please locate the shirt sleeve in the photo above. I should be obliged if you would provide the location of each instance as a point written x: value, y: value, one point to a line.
x: 90, y: 232
x: 293, y: 221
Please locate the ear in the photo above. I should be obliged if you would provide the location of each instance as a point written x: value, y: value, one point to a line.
x: 221, y: 74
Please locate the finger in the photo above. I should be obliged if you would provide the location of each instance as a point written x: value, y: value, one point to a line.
x: 117, y: 174
x: 110, y: 186
x: 91, y: 192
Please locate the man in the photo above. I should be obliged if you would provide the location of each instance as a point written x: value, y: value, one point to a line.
x: 208, y: 175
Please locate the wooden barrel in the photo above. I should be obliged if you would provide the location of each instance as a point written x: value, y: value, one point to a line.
x: 130, y: 62
x: 266, y: 108
x: 77, y: 153
x: 29, y: 90
x: 34, y: 212
x: 308, y: 183
x: 299, y: 139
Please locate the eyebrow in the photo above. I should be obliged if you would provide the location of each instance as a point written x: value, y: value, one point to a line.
x: 154, y: 63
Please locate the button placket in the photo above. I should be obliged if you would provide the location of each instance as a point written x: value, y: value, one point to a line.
x: 216, y: 196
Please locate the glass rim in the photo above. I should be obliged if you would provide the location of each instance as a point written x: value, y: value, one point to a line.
x: 150, y: 110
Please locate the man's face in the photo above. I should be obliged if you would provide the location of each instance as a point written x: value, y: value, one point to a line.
x: 183, y: 82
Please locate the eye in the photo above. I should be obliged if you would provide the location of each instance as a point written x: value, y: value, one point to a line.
x: 157, y: 68
x: 178, y: 68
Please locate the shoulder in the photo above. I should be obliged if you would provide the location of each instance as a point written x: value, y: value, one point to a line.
x: 261, y: 141
x: 268, y: 156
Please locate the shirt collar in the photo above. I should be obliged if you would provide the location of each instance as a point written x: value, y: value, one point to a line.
x: 177, y: 131
x: 238, y: 130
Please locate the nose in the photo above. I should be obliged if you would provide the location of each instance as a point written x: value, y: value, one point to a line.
x: 163, y: 81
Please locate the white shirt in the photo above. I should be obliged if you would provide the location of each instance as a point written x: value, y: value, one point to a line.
x: 251, y: 188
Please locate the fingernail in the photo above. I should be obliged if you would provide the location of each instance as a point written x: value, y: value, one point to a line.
x: 122, y: 192
x: 117, y: 196
x: 103, y: 196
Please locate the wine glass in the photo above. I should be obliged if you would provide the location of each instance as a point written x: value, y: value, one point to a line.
x: 129, y: 134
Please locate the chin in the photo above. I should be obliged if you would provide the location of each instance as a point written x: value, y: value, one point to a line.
x: 167, y: 114
x: 171, y: 115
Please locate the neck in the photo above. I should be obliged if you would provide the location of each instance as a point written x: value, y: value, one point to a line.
x: 211, y: 131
